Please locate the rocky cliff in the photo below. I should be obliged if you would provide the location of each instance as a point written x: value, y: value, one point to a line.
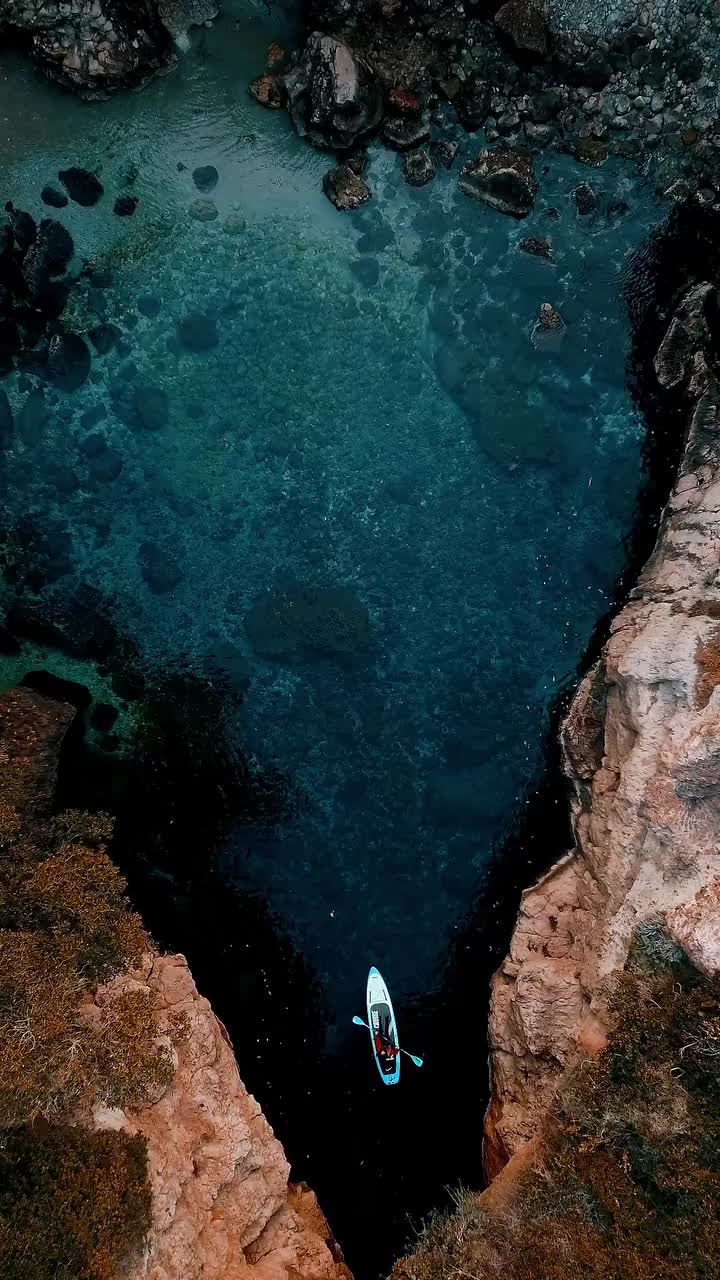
x: 641, y: 747
x: 140, y: 1056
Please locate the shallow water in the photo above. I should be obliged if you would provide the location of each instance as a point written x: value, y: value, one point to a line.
x: 374, y: 415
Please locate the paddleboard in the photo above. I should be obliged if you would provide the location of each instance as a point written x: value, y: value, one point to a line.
x: 383, y: 1028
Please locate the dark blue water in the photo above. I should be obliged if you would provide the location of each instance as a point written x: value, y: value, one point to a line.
x: 373, y: 416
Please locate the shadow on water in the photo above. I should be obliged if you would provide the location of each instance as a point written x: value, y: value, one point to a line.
x: 384, y: 1157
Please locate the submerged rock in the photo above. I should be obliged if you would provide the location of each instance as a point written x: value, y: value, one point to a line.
x: 125, y: 206
x: 334, y: 97
x: 68, y: 361
x: 403, y: 134
x: 203, y: 209
x: 205, y: 177
x: 419, y: 168
x: 537, y: 248
x: 586, y: 201
x: 345, y: 189
x: 47, y: 256
x: 197, y: 331
x: 105, y: 337
x: 7, y: 423
x: 159, y: 568
x: 53, y: 198
x: 152, y: 407
x: 503, y: 179
x: 82, y: 186
x: 285, y: 622
x: 32, y: 418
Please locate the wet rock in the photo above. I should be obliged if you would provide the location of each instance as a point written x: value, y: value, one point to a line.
x: 688, y: 328
x: 545, y: 106
x: 106, y: 466
x: 148, y: 304
x: 275, y: 55
x: 592, y: 151
x: 472, y: 103
x: 203, y: 209
x: 125, y: 206
x: 402, y: 133
x: 205, y: 177
x: 82, y: 186
x: 334, y: 97
x: 53, y: 198
x: 419, y: 168
x: 159, y: 568
x: 47, y: 256
x: 268, y: 90
x: 234, y: 224
x: 22, y: 225
x: 7, y: 423
x: 152, y: 407
x: 345, y: 189
x: 178, y: 16
x: 105, y: 337
x: 444, y: 153
x: 32, y: 418
x: 537, y: 248
x: 285, y: 622
x: 503, y: 179
x: 549, y: 330
x: 357, y: 160
x: 586, y: 202
x: 523, y: 26
x: 197, y: 331
x: 103, y: 716
x: 538, y: 135
x: 68, y: 361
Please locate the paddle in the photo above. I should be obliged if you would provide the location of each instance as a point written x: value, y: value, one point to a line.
x: 413, y: 1057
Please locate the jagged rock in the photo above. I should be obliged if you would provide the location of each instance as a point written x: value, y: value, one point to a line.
x: 178, y: 16
x: 503, y: 179
x: 205, y: 177
x: 334, y: 97
x: 345, y: 189
x: 537, y: 248
x: 82, y: 186
x: 586, y: 202
x: 286, y: 622
x: 549, y: 330
x: 687, y: 329
x: 445, y: 153
x: 419, y: 168
x: 592, y: 151
x: 268, y: 90
x: 472, y: 103
x: 402, y: 133
x: 522, y: 23
x: 357, y: 160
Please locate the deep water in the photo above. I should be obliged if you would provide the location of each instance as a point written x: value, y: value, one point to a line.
x: 365, y: 410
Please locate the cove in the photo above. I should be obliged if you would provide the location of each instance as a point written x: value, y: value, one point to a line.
x: 361, y: 408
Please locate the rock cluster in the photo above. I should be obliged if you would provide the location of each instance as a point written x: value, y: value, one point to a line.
x: 642, y: 751
x: 34, y: 288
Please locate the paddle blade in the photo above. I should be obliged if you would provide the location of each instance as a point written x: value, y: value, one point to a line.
x: 418, y: 1061
x: 359, y: 1022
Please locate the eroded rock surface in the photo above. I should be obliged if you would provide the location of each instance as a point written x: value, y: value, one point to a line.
x: 503, y: 179
x: 334, y: 98
x: 642, y: 752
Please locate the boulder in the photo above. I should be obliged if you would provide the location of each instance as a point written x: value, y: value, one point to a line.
x: 687, y: 329
x: 419, y: 168
x: 47, y: 256
x: 32, y: 418
x: 472, y: 103
x: 197, y: 331
x: 549, y: 329
x: 288, y: 621
x: 537, y: 248
x: 159, y: 568
x: 178, y: 16
x: 402, y: 133
x: 53, y: 198
x: 334, y: 97
x: 205, y: 177
x: 152, y: 407
x: 345, y: 189
x: 125, y: 206
x: 268, y: 90
x: 203, y: 209
x: 586, y: 202
x: 503, y: 179
x: 523, y: 26
x: 82, y: 186
x: 445, y: 152
x: 68, y: 361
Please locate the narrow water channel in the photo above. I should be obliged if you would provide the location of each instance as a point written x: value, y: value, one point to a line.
x: 343, y: 416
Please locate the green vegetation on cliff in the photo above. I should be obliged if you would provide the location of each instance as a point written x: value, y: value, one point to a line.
x: 625, y: 1182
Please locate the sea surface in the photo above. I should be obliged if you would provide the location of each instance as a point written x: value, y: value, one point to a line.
x: 374, y: 416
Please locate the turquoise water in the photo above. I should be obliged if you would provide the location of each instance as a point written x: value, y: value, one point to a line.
x: 371, y: 415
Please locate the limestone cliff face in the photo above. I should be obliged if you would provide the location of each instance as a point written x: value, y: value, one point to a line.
x: 642, y: 751
x: 222, y: 1206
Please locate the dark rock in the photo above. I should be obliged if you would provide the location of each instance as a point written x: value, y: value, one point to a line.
x: 345, y: 189
x: 503, y: 179
x: 32, y: 418
x: 93, y: 446
x: 22, y: 225
x: 152, y: 407
x: 538, y: 135
x: 524, y: 27
x: 544, y: 106
x: 106, y: 466
x: 205, y: 177
x: 47, y: 256
x: 334, y: 97
x: 586, y: 201
x: 82, y: 187
x: 203, y: 209
x: 402, y: 133
x: 58, y: 689
x: 419, y: 168
x: 268, y: 90
x: 537, y: 248
x: 68, y: 361
x: 9, y: 646
x: 53, y: 198
x: 7, y: 424
x: 198, y: 331
x: 549, y: 330
x: 91, y: 417
x: 472, y: 103
x: 275, y: 55
x: 125, y: 206
x: 285, y: 622
x: 367, y: 271
x: 103, y: 716
x: 357, y: 160
x: 149, y: 305
x: 688, y: 329
x: 104, y: 337
x: 445, y: 153
x: 592, y: 151
x: 159, y: 568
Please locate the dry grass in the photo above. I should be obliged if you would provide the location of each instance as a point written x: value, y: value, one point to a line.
x: 627, y: 1183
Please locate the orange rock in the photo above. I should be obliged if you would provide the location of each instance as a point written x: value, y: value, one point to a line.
x: 267, y: 90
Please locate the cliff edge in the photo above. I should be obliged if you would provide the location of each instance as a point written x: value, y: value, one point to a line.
x: 641, y: 748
